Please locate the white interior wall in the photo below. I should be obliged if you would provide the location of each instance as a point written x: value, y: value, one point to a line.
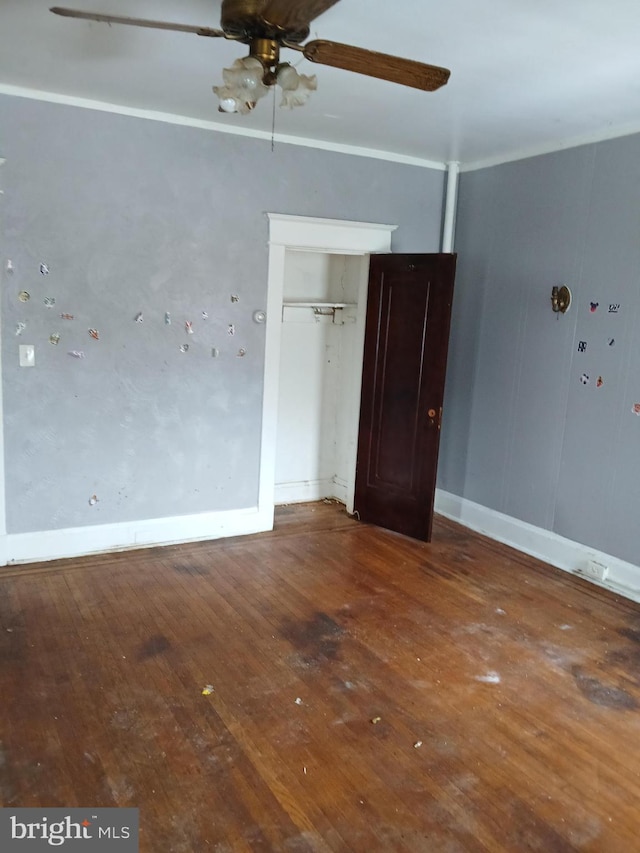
x: 315, y: 424
x: 346, y: 274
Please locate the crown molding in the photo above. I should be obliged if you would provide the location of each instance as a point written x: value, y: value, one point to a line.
x: 218, y: 127
x: 553, y: 147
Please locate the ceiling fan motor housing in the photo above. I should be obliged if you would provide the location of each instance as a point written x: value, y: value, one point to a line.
x: 242, y: 20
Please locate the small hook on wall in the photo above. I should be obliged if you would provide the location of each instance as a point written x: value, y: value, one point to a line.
x: 560, y: 299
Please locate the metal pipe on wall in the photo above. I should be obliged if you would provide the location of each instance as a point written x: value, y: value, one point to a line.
x: 451, y: 201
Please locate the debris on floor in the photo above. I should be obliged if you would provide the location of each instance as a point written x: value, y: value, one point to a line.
x: 207, y: 690
x: 376, y: 720
x: 489, y: 678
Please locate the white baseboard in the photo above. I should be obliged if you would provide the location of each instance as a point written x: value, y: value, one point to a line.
x: 310, y: 490
x: 303, y: 491
x: 340, y: 489
x: 623, y: 578
x: 98, y: 539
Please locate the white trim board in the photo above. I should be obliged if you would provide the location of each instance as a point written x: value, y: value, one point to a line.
x: 4, y: 284
x: 218, y: 126
x: 311, y: 234
x: 310, y: 490
x: 100, y: 539
x: 623, y: 578
x: 603, y: 135
x: 323, y: 145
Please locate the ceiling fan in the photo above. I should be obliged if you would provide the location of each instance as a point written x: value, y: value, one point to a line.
x: 266, y: 26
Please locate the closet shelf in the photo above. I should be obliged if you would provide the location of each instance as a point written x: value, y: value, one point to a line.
x: 319, y: 310
x: 294, y: 303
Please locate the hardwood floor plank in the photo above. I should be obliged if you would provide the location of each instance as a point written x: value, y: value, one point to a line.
x: 508, y: 693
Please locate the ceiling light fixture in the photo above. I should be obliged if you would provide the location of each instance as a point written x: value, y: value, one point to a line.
x: 268, y: 25
x: 249, y: 79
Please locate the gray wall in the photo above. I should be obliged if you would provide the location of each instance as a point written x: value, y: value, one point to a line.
x: 137, y: 216
x: 522, y: 434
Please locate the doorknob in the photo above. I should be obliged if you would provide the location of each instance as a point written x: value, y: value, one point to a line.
x: 435, y: 416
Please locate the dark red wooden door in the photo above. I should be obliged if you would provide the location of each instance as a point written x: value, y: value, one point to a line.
x: 405, y: 356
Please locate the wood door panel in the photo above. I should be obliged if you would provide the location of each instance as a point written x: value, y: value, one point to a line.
x: 397, y: 390
x: 406, y: 341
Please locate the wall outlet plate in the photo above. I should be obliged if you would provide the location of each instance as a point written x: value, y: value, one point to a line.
x: 594, y: 569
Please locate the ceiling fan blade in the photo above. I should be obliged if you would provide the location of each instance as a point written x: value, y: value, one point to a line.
x: 293, y: 15
x: 407, y: 72
x: 136, y: 22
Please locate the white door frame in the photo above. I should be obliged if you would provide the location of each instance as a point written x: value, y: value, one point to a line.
x: 4, y: 283
x: 304, y: 234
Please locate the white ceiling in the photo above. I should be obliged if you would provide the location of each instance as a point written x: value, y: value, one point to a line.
x: 527, y: 75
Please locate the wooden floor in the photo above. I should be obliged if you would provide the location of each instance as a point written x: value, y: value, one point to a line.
x: 371, y: 693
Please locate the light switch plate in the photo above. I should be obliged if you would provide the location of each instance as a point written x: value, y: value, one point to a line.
x: 27, y: 355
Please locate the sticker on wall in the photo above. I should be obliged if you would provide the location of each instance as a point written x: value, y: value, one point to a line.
x: 611, y: 342
x: 24, y: 296
x: 93, y: 500
x: 235, y: 298
x: 582, y: 346
x: 44, y: 269
x: 614, y: 308
x: 67, y: 317
x: 54, y: 339
x: 95, y: 334
x: 20, y: 327
x: 205, y: 315
x: 215, y: 352
x: 184, y: 347
x: 241, y: 352
x: 167, y: 318
x: 139, y: 318
x: 231, y: 329
x: 49, y: 301
x: 636, y: 408
x: 188, y: 327
x: 599, y: 382
x: 593, y: 307
x: 585, y: 379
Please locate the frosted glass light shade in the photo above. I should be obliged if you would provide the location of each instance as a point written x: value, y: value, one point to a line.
x: 296, y: 88
x: 243, y: 86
